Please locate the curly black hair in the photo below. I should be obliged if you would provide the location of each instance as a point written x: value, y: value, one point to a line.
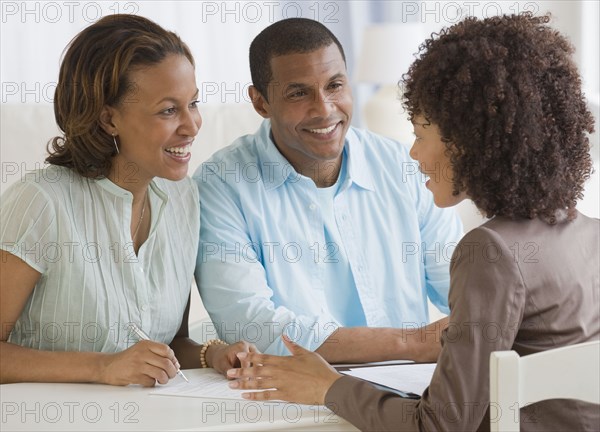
x: 507, y: 99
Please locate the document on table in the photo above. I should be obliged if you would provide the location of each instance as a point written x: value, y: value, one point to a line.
x: 210, y: 384
x: 381, y: 363
x: 408, y: 378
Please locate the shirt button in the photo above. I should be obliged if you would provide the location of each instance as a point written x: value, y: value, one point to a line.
x: 144, y: 308
x: 141, y: 269
x: 313, y: 206
x: 344, y: 217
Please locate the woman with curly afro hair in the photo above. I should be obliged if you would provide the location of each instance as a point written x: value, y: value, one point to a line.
x: 499, y: 117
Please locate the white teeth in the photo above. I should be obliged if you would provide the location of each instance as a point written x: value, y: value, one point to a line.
x: 180, y: 150
x: 323, y: 131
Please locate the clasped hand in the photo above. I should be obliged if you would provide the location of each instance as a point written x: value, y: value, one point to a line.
x: 224, y: 357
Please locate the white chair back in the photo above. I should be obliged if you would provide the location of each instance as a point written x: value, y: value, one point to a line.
x: 571, y: 372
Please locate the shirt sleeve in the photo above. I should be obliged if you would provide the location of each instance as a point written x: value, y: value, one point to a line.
x: 487, y: 299
x: 233, y: 283
x: 28, y: 225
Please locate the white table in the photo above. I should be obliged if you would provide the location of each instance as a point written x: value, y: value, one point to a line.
x: 89, y: 407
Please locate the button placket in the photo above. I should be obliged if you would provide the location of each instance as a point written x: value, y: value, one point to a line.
x: 355, y: 258
x: 142, y: 289
x: 315, y: 241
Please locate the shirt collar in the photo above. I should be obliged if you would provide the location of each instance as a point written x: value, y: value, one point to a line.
x: 157, y: 205
x: 276, y: 169
x: 359, y: 170
x: 114, y: 189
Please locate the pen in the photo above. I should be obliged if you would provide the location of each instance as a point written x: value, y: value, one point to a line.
x: 142, y: 336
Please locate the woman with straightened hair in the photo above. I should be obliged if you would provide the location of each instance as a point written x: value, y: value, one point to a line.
x: 106, y: 235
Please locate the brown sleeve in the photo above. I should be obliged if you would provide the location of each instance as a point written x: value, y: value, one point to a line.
x: 486, y: 300
x: 369, y: 408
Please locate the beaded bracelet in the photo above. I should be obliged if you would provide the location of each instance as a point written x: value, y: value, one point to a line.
x: 205, y: 346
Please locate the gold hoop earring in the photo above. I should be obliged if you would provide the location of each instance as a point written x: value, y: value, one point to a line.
x: 115, y: 141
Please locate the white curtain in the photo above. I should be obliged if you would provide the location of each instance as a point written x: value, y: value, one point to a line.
x: 34, y: 34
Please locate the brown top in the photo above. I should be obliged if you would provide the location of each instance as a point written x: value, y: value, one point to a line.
x: 515, y: 285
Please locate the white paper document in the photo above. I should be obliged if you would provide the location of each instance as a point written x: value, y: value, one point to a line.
x: 408, y: 378
x: 208, y: 384
x: 381, y: 363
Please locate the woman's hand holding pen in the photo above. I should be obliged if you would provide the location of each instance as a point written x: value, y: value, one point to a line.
x: 224, y: 357
x: 144, y: 363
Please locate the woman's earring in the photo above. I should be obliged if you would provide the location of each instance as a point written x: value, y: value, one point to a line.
x: 115, y: 141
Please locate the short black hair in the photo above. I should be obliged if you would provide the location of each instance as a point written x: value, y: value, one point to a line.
x: 507, y: 98
x: 288, y: 36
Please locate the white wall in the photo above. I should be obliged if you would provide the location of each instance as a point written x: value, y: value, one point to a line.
x: 579, y: 21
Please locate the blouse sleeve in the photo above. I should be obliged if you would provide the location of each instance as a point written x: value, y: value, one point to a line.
x: 28, y: 225
x: 487, y: 299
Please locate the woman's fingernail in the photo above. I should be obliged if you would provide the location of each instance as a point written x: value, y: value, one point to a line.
x: 231, y: 372
x: 246, y: 395
x: 242, y: 355
x: 234, y: 384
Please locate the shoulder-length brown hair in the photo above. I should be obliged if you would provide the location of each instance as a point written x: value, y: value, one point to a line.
x: 93, y: 74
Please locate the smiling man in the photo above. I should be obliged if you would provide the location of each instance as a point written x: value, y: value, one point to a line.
x: 316, y: 229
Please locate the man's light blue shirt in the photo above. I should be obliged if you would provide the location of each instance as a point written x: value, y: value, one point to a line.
x: 265, y: 254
